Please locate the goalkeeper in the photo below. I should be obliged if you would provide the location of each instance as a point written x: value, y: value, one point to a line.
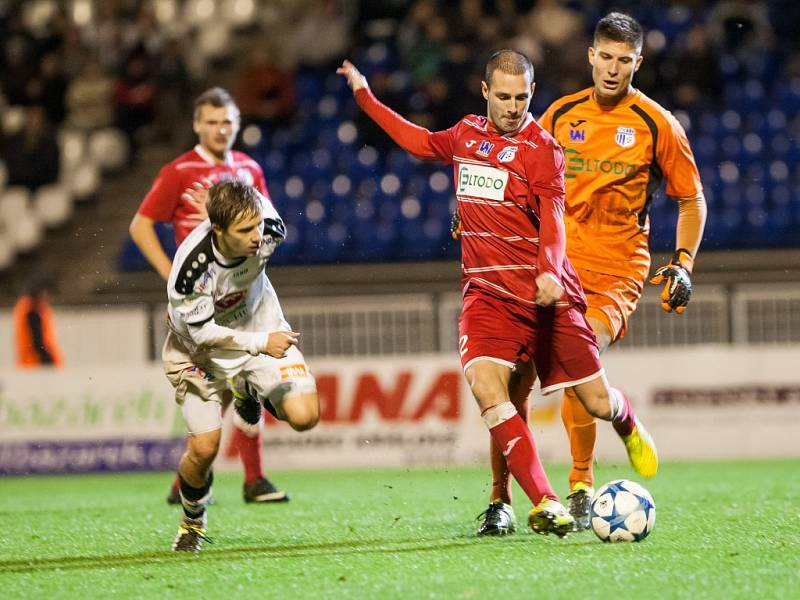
x: 619, y: 146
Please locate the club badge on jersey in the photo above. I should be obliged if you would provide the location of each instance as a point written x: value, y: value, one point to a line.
x: 625, y: 137
x: 507, y: 154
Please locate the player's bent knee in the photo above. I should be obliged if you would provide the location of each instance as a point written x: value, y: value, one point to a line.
x: 302, y: 411
x: 594, y: 395
x: 203, y: 448
x: 597, y: 405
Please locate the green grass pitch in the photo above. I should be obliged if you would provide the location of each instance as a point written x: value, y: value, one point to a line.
x: 723, y: 530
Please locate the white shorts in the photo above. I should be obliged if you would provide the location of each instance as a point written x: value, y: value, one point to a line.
x: 199, y: 387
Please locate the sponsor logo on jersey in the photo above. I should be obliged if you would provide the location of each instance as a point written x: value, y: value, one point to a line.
x: 625, y: 137
x: 226, y: 302
x: 507, y: 154
x: 485, y: 149
x: 470, y: 143
x: 479, y: 181
x: 577, y: 136
x: 200, y: 310
x: 578, y: 163
x: 577, y: 123
x: 204, y: 283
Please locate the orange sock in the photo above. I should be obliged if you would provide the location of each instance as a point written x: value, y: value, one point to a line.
x: 582, y: 432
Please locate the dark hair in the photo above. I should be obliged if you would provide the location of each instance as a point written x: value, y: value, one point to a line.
x: 619, y: 27
x: 508, y: 61
x: 216, y: 97
x: 228, y: 201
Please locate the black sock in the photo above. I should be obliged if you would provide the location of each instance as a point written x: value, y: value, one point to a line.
x: 194, y: 499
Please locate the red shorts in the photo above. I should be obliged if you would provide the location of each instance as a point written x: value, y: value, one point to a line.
x: 558, y: 338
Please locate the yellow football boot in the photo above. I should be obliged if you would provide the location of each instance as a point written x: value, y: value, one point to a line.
x: 550, y: 516
x: 641, y: 450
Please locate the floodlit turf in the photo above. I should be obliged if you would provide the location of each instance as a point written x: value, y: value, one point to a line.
x: 723, y: 530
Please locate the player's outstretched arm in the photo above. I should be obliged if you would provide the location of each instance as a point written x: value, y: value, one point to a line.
x: 212, y: 335
x: 143, y: 234
x: 411, y: 138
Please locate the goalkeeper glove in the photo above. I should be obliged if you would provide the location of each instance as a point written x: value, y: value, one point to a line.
x: 677, y: 285
x: 455, y: 225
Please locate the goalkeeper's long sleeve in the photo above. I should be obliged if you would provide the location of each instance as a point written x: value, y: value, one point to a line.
x: 691, y: 223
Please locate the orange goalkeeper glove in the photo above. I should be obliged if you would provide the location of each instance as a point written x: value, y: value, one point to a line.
x: 455, y: 225
x: 677, y: 289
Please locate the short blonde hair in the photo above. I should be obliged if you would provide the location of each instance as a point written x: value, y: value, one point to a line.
x: 228, y: 201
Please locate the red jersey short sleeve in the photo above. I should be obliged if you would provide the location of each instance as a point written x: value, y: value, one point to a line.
x: 164, y: 202
x: 159, y: 203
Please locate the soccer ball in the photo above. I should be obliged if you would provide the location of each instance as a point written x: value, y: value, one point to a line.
x: 623, y: 511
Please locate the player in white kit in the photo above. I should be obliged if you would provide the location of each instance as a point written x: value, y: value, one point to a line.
x: 226, y: 323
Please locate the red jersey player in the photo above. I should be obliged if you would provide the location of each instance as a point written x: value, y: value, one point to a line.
x: 178, y: 196
x: 522, y: 299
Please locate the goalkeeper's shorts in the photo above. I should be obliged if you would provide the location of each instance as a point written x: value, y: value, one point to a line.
x: 610, y: 299
x: 558, y: 339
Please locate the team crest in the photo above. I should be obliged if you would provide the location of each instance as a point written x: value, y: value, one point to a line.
x: 485, y: 149
x: 507, y: 154
x: 625, y: 137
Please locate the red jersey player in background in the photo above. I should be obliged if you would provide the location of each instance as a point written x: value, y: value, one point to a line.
x: 521, y: 298
x: 178, y: 196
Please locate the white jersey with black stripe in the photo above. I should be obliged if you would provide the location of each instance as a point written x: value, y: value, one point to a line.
x: 224, y: 309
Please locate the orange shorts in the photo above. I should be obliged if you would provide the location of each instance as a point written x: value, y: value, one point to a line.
x: 611, y: 299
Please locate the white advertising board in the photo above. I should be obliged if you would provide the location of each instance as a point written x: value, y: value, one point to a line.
x: 702, y: 403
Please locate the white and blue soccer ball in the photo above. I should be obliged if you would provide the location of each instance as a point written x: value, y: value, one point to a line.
x: 623, y: 511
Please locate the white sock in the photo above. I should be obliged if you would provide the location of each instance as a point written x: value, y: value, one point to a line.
x: 195, y: 507
x: 248, y: 429
x: 615, y: 402
x: 499, y: 413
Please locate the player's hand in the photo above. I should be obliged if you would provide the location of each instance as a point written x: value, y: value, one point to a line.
x: 197, y: 196
x: 548, y: 289
x: 354, y: 77
x: 279, y: 342
x: 677, y: 289
x: 455, y: 225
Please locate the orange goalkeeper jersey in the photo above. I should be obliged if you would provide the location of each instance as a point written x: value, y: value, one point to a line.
x: 616, y: 158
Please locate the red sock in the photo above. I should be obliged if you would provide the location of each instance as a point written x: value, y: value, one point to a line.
x: 516, y: 442
x: 624, y: 421
x: 250, y: 454
x: 501, y: 478
x: 176, y: 483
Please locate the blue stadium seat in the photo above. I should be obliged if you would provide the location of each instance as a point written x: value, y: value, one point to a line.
x: 130, y: 259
